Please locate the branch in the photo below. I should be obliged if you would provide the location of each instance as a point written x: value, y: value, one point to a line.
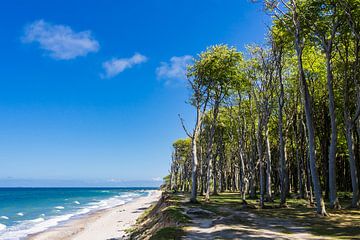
x: 183, y: 125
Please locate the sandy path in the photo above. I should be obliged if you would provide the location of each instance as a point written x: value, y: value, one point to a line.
x: 102, y: 225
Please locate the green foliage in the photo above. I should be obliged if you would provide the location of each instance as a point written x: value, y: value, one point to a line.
x: 216, y: 68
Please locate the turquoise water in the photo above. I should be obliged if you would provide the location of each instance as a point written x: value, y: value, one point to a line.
x: 25, y: 211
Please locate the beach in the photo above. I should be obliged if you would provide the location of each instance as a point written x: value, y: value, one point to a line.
x: 101, y: 225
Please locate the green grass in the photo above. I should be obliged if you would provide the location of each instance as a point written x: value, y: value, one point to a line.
x: 175, y: 213
x: 144, y: 215
x: 168, y: 233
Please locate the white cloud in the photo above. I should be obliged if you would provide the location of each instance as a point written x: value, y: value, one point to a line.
x: 117, y: 65
x: 157, y: 179
x: 60, y: 41
x: 175, y: 69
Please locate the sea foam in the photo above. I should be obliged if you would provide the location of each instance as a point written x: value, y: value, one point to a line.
x: 59, y: 207
x: 4, y: 217
x: 2, y: 226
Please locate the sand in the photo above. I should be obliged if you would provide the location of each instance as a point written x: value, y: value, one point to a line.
x: 102, y: 225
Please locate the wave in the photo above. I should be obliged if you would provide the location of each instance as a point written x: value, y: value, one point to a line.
x: 77, y: 202
x: 33, y: 226
x: 59, y: 207
x: 2, y: 227
x: 20, y: 214
x: 37, y: 220
x: 4, y: 217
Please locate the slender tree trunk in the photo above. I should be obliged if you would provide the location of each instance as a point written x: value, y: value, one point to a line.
x: 260, y: 159
x: 309, y: 122
x: 299, y: 173
x: 221, y: 167
x: 311, y: 195
x: 334, y: 202
x: 268, y: 165
x: 242, y: 175
x: 298, y: 42
x: 214, y: 171
x: 282, y: 147
x: 195, y: 161
x: 311, y: 136
x: 353, y: 167
x: 209, y: 154
x: 252, y: 177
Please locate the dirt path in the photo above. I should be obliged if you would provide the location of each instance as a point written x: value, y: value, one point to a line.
x: 241, y: 225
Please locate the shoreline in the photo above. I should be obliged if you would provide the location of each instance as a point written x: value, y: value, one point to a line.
x: 100, y: 225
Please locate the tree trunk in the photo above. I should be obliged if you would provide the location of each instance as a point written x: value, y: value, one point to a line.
x: 260, y: 159
x: 221, y: 167
x: 214, y: 171
x: 195, y: 161
x: 334, y: 202
x: 268, y: 165
x: 353, y: 167
x: 311, y: 133
x: 209, y: 149
x: 282, y: 149
x: 242, y: 177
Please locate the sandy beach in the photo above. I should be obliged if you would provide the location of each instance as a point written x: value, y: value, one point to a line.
x: 101, y: 225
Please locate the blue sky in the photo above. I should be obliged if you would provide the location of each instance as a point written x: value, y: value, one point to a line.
x: 91, y: 90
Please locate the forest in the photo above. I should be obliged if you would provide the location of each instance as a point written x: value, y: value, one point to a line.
x: 279, y: 120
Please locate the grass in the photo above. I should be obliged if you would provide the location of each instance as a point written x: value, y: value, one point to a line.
x: 168, y: 233
x: 145, y: 214
x: 161, y: 220
x: 175, y: 213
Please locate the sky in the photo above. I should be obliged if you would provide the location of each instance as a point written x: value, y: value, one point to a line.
x: 90, y: 91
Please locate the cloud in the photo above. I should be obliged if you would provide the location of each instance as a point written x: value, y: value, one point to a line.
x: 157, y: 179
x: 175, y: 69
x: 117, y: 65
x: 60, y: 41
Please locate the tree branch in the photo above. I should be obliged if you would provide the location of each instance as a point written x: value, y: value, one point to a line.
x: 183, y: 125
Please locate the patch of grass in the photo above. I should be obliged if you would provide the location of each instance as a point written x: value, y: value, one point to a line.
x: 175, y: 213
x: 144, y: 215
x: 168, y: 233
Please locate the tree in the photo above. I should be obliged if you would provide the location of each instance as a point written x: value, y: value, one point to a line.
x: 293, y: 20
x: 215, y: 69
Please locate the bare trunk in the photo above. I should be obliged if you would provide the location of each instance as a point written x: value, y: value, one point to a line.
x: 209, y: 154
x: 252, y: 178
x: 268, y: 165
x: 194, y: 171
x: 195, y: 161
x: 221, y: 168
x: 214, y: 171
x: 282, y: 148
x: 353, y: 167
x: 311, y: 133
x: 260, y: 159
x: 243, y: 180
x: 334, y: 202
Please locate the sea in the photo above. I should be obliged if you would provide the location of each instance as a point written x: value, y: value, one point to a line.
x: 25, y: 211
